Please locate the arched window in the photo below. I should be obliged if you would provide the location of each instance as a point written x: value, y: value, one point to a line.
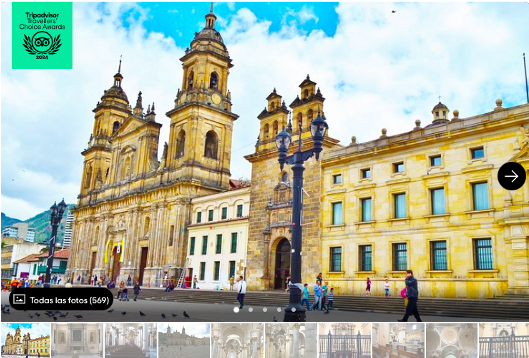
x: 146, y: 226
x: 213, y: 80
x: 310, y: 116
x: 275, y: 128
x: 305, y: 94
x: 88, y: 177
x: 116, y: 127
x: 190, y: 80
x: 92, y: 337
x: 300, y: 120
x: 180, y: 144
x: 266, y: 130
x: 211, y: 145
x: 272, y: 106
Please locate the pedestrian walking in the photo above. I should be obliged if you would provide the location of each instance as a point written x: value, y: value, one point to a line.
x: 317, y: 296
x: 137, y: 290
x: 232, y: 281
x: 368, y: 286
x: 195, y: 280
x: 412, y: 293
x: 241, y: 291
x: 120, y: 289
x: 324, y: 290
x: 330, y: 306
x: 288, y: 284
x: 95, y: 280
x: 386, y: 287
x: 306, y: 296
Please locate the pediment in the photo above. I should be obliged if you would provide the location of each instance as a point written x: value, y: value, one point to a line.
x: 521, y: 156
x: 130, y: 125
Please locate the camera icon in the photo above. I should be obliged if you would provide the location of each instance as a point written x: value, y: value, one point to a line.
x: 19, y: 299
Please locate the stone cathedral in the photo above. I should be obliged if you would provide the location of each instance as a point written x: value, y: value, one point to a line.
x: 133, y: 208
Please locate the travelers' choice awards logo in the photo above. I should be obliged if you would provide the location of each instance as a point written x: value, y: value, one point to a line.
x: 44, y: 32
x: 42, y: 44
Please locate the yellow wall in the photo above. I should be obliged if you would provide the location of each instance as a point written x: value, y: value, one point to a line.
x: 506, y: 222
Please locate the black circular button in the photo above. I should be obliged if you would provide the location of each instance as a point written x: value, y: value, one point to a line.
x: 511, y: 176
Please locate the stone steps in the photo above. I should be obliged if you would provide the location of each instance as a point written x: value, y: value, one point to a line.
x: 505, y: 309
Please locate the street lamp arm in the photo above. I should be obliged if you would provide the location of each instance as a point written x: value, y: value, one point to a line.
x: 305, y: 155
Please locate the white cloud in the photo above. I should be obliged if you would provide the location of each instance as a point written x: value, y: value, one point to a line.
x: 380, y: 69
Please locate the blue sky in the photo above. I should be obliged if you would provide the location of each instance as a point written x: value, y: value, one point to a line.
x: 181, y: 20
x: 377, y: 69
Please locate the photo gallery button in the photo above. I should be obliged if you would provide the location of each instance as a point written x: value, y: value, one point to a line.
x: 58, y: 298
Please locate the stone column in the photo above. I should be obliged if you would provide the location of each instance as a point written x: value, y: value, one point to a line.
x: 295, y: 340
x: 254, y: 348
x: 145, y: 336
x: 311, y: 340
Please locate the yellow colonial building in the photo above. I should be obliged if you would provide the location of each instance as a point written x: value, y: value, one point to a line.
x: 429, y: 200
x: 133, y: 205
x: 218, y: 237
x: 18, y: 344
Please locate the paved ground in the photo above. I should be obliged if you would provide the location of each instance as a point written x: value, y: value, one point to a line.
x: 183, y: 351
x: 207, y: 313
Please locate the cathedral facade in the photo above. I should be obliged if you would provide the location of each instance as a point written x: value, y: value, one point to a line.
x: 133, y: 209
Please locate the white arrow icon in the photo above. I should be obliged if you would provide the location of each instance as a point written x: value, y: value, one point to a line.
x: 515, y: 176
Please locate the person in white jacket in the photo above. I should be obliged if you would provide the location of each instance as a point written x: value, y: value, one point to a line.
x: 241, y: 291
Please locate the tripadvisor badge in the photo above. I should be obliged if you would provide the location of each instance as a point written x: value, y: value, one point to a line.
x: 42, y: 44
x: 42, y: 35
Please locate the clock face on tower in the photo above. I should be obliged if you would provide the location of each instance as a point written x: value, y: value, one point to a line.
x: 215, y: 98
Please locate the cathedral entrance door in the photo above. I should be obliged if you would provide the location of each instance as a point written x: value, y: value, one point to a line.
x: 282, y: 270
x: 115, y: 266
x: 92, y: 263
x: 143, y: 263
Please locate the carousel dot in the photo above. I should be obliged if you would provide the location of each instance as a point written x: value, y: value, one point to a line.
x: 294, y: 309
x: 265, y: 309
x: 250, y: 309
x: 278, y: 309
x: 236, y: 309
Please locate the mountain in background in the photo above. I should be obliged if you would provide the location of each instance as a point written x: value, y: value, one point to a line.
x: 41, y: 224
x: 6, y: 221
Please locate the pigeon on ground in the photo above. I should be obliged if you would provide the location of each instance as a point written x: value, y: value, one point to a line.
x: 78, y: 316
x: 37, y: 314
x: 110, y: 311
x: 142, y: 314
x: 275, y: 319
x: 62, y: 315
x: 30, y: 316
x: 163, y: 315
x: 54, y: 318
x: 186, y: 315
x: 174, y: 315
x: 123, y: 313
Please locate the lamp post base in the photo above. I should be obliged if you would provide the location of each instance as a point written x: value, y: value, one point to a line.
x: 296, y: 315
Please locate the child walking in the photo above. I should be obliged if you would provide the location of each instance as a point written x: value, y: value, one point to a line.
x: 331, y: 299
x: 386, y: 288
x: 368, y: 286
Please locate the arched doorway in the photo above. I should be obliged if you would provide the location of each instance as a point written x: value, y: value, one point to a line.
x: 282, y: 264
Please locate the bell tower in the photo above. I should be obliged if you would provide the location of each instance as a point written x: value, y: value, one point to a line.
x: 110, y: 113
x: 202, y: 121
